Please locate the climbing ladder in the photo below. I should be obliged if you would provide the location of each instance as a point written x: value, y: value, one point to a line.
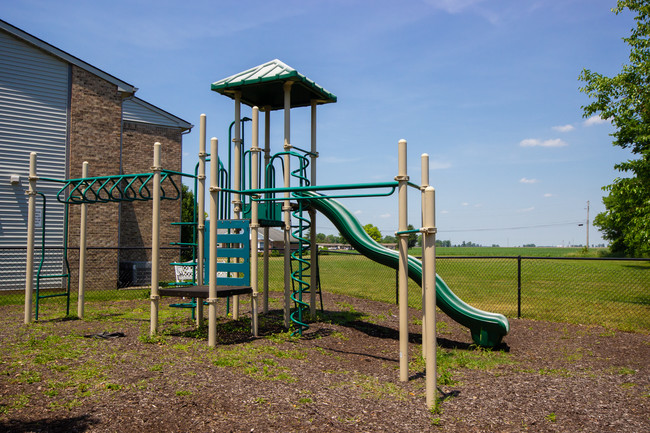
x: 41, y: 275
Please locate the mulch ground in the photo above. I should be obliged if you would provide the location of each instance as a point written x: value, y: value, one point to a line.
x: 341, y: 376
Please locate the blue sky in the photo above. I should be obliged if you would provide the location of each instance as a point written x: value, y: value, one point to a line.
x: 489, y: 89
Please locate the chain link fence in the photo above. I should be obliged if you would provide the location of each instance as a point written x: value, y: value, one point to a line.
x: 593, y: 291
x: 610, y: 292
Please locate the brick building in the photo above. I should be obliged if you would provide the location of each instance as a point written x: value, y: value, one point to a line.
x: 69, y: 112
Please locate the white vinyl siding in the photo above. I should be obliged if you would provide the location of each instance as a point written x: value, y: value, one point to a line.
x: 34, y: 94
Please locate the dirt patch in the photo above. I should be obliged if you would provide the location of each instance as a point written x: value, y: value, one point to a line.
x: 341, y: 376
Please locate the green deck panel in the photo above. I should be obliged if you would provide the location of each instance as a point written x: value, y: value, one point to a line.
x: 262, y: 86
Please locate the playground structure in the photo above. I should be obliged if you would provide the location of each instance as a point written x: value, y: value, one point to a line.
x: 240, y: 205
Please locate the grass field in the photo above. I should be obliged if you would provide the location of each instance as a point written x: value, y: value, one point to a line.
x: 612, y: 293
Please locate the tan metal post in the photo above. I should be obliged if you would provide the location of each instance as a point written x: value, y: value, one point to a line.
x: 267, y: 159
x: 212, y: 289
x: 200, y: 227
x: 429, y: 283
x: 155, y: 238
x: 423, y: 186
x: 255, y: 158
x: 31, y: 218
x: 286, y: 208
x: 82, y: 250
x: 313, y: 254
x: 236, y: 176
x: 403, y: 178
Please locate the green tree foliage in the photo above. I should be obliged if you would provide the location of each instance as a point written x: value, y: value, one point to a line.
x: 413, y: 237
x: 373, y: 232
x: 187, y: 215
x: 625, y: 100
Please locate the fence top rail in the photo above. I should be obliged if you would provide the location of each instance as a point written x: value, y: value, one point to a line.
x: 623, y: 259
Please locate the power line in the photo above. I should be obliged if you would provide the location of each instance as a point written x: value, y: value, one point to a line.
x: 510, y: 228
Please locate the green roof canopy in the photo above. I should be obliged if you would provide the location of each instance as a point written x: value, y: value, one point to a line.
x: 262, y: 86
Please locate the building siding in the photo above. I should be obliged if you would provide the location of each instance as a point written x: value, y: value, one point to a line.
x: 34, y: 90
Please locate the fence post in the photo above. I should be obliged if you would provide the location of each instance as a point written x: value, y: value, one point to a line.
x: 518, y: 287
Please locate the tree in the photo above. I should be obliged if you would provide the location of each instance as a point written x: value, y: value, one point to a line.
x: 373, y: 232
x: 625, y: 100
x: 413, y: 237
x: 187, y: 215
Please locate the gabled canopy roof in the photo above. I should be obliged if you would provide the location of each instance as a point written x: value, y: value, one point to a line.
x: 262, y: 86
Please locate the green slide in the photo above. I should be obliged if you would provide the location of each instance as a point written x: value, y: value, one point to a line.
x: 487, y: 328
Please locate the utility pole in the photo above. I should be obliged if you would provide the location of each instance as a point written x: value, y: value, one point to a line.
x: 587, y: 225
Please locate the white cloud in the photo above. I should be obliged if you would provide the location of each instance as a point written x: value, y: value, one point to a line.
x: 527, y: 209
x: 438, y: 165
x: 453, y: 6
x: 526, y: 180
x: 464, y: 203
x: 357, y: 212
x: 444, y: 211
x: 337, y: 160
x: 548, y: 194
x: 563, y: 128
x: 535, y: 142
x: 595, y: 120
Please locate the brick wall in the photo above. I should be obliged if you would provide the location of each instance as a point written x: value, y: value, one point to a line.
x: 97, y: 136
x: 137, y: 157
x: 95, y: 117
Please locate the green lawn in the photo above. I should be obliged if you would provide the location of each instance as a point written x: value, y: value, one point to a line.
x: 612, y: 293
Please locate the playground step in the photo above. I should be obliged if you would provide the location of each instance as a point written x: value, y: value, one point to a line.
x: 203, y: 291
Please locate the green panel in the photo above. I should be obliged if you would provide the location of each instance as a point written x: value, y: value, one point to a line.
x: 268, y: 214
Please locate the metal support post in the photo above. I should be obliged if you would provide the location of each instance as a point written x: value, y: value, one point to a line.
x: 423, y: 186
x: 255, y: 158
x: 212, y: 288
x: 267, y: 159
x: 31, y: 218
x: 286, y: 208
x: 402, y: 179
x: 429, y: 284
x: 236, y: 176
x: 155, y: 239
x: 82, y: 250
x: 200, y: 228
x: 313, y: 253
